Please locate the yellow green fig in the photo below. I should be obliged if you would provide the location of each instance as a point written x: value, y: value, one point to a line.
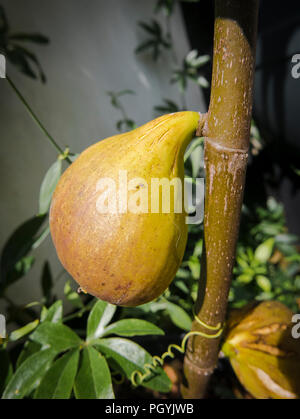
x: 262, y: 350
x: 126, y: 250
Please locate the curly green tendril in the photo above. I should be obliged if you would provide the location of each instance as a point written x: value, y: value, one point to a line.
x: 138, y: 377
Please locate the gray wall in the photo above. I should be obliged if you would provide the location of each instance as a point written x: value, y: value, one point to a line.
x: 91, y: 51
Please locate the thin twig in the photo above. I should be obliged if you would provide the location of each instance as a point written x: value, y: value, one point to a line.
x: 36, y: 119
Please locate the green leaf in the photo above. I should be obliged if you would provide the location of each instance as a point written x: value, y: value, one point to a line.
x: 129, y: 357
x: 194, y: 265
x: 264, y: 251
x: 56, y: 336
x: 132, y: 327
x: 17, y: 247
x: 93, y: 380
x: 53, y: 314
x: 46, y: 281
x: 19, y: 333
x: 178, y: 316
x: 72, y: 296
x: 28, y: 375
x: 29, y: 349
x: 245, y: 278
x: 48, y: 185
x: 6, y: 369
x: 100, y: 315
x: 59, y: 379
x: 201, y: 81
x: 264, y: 283
x: 31, y: 37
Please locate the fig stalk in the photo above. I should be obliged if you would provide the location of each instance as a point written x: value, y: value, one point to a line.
x: 226, y: 132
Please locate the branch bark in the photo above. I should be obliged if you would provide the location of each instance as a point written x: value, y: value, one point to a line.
x: 227, y: 132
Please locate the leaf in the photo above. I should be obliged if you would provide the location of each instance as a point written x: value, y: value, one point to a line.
x: 144, y: 46
x: 125, y: 92
x: 100, y: 315
x: 41, y: 237
x: 264, y: 283
x: 165, y: 5
x: 150, y: 28
x: 56, y: 336
x: 19, y: 333
x: 178, y: 316
x: 31, y: 37
x: 28, y: 55
x: 29, y: 349
x: 28, y: 375
x: 48, y: 186
x: 59, y: 379
x: 47, y: 281
x: 132, y: 327
x: 17, y: 247
x: 20, y: 61
x: 201, y: 81
x: 73, y: 157
x: 245, y: 278
x: 168, y: 107
x: 23, y: 266
x: 6, y: 369
x: 53, y: 314
x: 93, y: 380
x: 4, y: 26
x: 129, y: 357
x: 72, y: 296
x: 194, y: 265
x: 264, y: 251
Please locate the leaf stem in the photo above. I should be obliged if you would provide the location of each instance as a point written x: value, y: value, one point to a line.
x: 36, y: 119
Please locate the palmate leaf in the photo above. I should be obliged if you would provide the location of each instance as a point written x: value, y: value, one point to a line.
x: 54, y: 315
x: 129, y: 357
x: 93, y: 380
x: 56, y: 336
x: 157, y: 40
x: 28, y: 375
x: 58, y: 381
x: 29, y: 349
x: 99, y: 317
x: 11, y: 46
x: 152, y: 28
x: 30, y: 58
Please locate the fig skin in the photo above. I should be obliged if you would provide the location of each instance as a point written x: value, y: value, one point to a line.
x: 262, y: 351
x: 126, y: 258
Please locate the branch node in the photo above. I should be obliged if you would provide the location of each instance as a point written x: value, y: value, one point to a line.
x: 201, y: 124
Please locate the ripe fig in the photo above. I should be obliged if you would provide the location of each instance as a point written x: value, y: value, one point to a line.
x: 262, y: 350
x: 124, y: 250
